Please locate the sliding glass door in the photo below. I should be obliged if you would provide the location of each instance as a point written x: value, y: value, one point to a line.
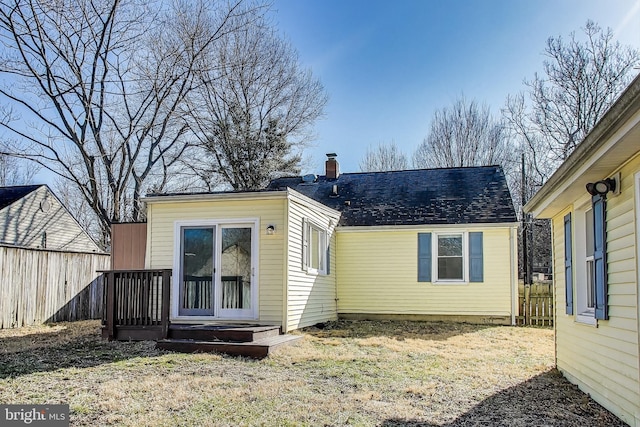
x: 217, y: 271
x: 197, y: 272
x: 236, y: 271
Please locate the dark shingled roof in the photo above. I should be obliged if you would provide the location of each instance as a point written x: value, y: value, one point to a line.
x: 8, y: 195
x: 427, y: 196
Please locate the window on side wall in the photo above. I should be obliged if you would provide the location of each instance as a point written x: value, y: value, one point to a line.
x: 450, y: 257
x: 588, y: 264
x: 449, y: 250
x: 314, y: 248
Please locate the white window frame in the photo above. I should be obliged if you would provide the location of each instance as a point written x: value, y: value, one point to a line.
x: 465, y: 257
x: 322, y: 248
x: 584, y: 313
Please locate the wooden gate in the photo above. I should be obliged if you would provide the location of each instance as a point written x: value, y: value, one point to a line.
x: 535, y: 305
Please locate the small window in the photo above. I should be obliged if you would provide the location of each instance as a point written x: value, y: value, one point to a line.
x: 314, y: 248
x: 590, y: 272
x: 450, y: 257
x: 586, y: 283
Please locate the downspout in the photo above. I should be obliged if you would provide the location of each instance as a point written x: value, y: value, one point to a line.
x: 285, y: 284
x: 553, y: 296
x: 334, y: 253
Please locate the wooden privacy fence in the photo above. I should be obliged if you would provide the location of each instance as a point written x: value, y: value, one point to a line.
x: 38, y: 286
x: 535, y: 305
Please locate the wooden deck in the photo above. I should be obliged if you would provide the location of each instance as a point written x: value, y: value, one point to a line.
x: 254, y: 341
x: 136, y: 308
x: 249, y: 341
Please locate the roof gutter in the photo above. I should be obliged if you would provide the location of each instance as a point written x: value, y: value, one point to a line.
x: 253, y: 195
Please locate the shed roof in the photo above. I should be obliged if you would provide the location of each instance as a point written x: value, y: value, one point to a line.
x: 465, y: 195
x: 9, y: 195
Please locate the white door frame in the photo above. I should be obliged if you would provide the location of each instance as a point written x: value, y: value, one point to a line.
x: 252, y: 313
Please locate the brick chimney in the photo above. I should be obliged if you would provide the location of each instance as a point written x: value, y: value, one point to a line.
x: 332, y: 167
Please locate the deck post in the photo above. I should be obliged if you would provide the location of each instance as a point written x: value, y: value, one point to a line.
x: 111, y: 305
x: 166, y: 299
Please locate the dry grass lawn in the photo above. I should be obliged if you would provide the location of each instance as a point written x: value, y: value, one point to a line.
x: 348, y: 373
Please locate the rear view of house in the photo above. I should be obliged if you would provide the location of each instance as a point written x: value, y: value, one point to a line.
x: 422, y: 244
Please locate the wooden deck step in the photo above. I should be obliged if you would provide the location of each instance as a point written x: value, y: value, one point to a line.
x: 254, y: 349
x: 229, y: 333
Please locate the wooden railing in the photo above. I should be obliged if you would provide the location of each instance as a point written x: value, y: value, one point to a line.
x: 233, y: 292
x: 197, y: 292
x: 136, y: 304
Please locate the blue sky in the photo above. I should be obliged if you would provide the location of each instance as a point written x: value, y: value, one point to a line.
x: 388, y: 65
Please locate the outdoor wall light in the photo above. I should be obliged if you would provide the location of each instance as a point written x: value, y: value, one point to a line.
x: 601, y: 187
x: 271, y: 229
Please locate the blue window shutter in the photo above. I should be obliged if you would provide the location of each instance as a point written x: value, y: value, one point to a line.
x: 476, y: 268
x: 328, y: 260
x: 424, y: 257
x: 600, y: 255
x: 568, y: 264
x: 305, y: 244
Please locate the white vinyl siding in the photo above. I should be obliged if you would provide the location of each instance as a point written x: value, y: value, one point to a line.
x: 311, y: 296
x: 604, y: 360
x: 26, y: 224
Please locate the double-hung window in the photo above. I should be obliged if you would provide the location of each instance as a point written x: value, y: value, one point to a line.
x: 590, y: 279
x: 450, y: 257
x: 450, y: 264
x: 585, y: 261
x: 314, y: 248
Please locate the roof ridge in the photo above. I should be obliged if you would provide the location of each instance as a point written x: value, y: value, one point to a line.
x: 400, y: 171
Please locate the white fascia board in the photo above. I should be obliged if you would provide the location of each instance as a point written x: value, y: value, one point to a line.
x: 200, y: 197
x: 301, y: 198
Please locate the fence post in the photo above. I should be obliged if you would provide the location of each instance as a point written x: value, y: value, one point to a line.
x: 166, y: 295
x: 527, y: 304
x: 110, y: 305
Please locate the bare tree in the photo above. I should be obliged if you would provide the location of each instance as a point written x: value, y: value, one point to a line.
x: 13, y: 171
x: 581, y: 80
x: 94, y: 88
x: 254, y: 108
x: 384, y: 157
x: 464, y: 134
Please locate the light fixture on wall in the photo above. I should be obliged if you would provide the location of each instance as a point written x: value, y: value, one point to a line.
x: 601, y: 187
x: 271, y: 229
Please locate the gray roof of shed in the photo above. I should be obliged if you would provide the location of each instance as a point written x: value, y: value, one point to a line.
x: 9, y: 195
x: 467, y: 195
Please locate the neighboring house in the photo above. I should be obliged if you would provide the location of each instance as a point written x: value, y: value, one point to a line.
x: 48, y: 263
x: 593, y: 201
x: 421, y: 244
x: 31, y: 216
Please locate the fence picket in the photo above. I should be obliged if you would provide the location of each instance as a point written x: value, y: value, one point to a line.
x: 38, y: 286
